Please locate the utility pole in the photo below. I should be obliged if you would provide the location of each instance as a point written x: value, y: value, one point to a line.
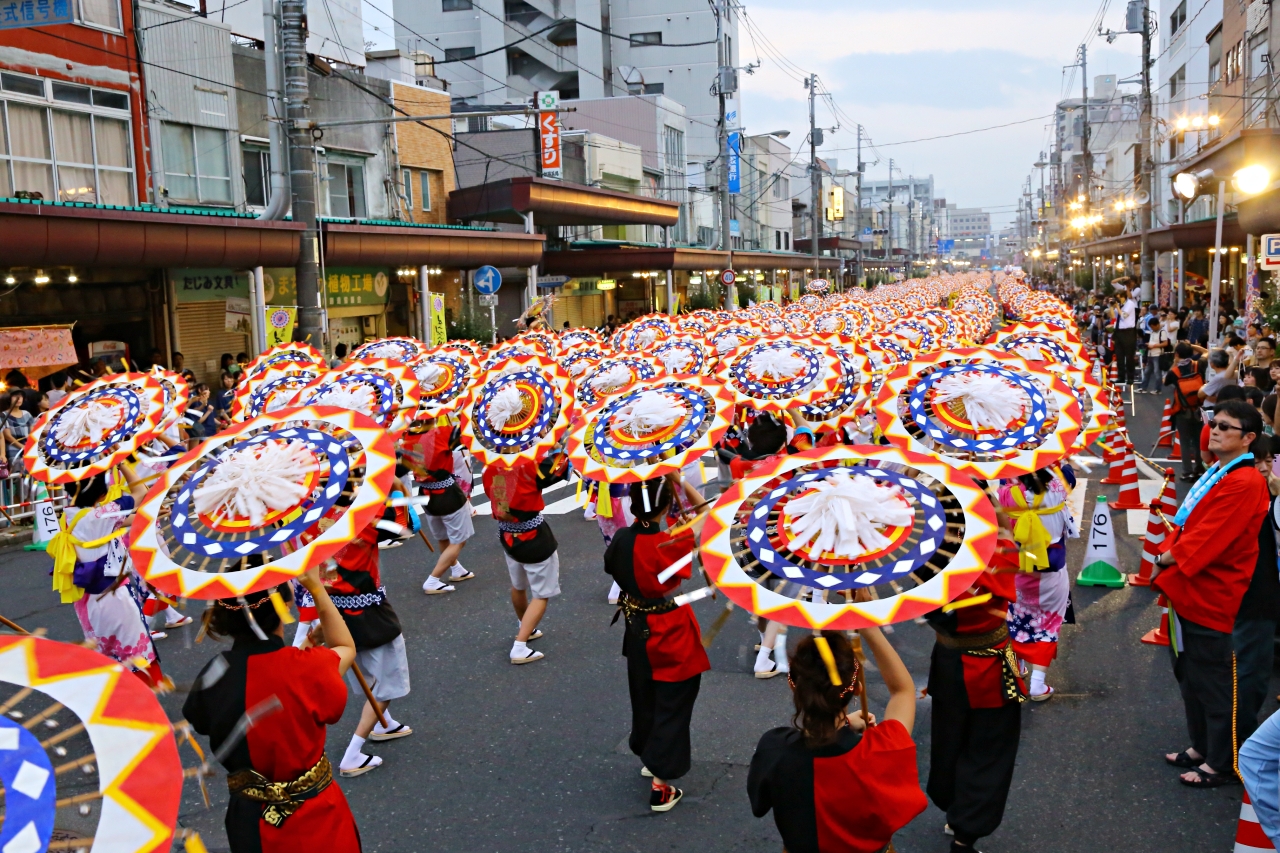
x: 302, y: 169
x: 888, y: 234
x: 858, y: 256
x: 815, y: 179
x: 1145, y: 155
x: 1085, y: 156
x: 726, y: 84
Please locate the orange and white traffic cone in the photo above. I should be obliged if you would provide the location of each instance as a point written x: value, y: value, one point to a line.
x: 1159, y: 635
x: 1130, y: 495
x: 1175, y: 455
x: 1113, y: 375
x: 1117, y: 418
x: 1155, y: 538
x: 1113, y: 458
x: 1166, y: 427
x: 1169, y: 497
x: 1249, y: 835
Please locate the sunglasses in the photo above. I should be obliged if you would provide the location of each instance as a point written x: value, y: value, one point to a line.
x: 1219, y: 425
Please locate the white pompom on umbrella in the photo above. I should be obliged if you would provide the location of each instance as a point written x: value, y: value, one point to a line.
x: 776, y: 363
x: 255, y: 480
x: 87, y: 422
x: 579, y: 367
x: 505, y: 405
x: 429, y: 373
x: 646, y: 336
x: 842, y: 512
x: 354, y: 397
x: 727, y: 343
x: 612, y: 379
x: 648, y: 412
x: 989, y: 401
x: 676, y: 359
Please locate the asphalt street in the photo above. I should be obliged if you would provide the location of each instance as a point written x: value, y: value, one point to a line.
x: 508, y: 758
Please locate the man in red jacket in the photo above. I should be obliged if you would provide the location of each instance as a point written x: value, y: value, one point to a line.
x: 1205, y: 575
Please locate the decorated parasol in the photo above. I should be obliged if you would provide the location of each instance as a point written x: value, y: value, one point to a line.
x: 176, y: 397
x: 88, y: 758
x: 855, y: 383
x: 776, y: 372
x: 271, y: 391
x: 642, y: 333
x: 544, y: 342
x: 518, y: 411
x: 240, y: 512
x: 796, y: 539
x: 387, y: 391
x: 403, y: 350
x: 610, y: 376
x: 694, y: 324
x: 732, y: 335
x: 683, y: 355
x: 498, y: 355
x: 581, y: 359
x: 444, y: 378
x: 653, y: 428
x: 284, y: 356
x: 574, y: 337
x: 818, y: 285
x: 95, y: 428
x: 989, y: 414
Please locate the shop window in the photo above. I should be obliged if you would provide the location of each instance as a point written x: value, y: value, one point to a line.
x: 64, y: 155
x: 257, y: 176
x: 195, y: 164
x: 346, y: 190
x: 426, y: 189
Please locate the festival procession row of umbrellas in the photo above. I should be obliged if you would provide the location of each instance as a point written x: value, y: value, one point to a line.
x: 922, y: 402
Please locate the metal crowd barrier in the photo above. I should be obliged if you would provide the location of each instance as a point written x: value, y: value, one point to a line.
x: 19, y: 495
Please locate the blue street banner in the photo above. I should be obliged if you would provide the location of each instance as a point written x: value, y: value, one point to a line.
x: 34, y: 13
x: 735, y: 162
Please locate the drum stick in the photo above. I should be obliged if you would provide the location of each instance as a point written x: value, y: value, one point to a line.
x: 368, y: 694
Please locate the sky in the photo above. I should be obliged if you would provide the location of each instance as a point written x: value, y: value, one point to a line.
x: 922, y: 68
x: 919, y: 68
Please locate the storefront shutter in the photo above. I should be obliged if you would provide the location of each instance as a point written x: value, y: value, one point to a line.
x: 585, y: 311
x: 204, y: 338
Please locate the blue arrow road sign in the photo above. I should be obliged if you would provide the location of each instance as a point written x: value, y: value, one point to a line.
x: 487, y: 280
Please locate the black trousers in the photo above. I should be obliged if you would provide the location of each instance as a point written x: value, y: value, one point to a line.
x: 1206, y: 678
x: 1254, y: 641
x: 660, y: 715
x: 1188, y: 426
x: 971, y: 754
x: 1126, y: 341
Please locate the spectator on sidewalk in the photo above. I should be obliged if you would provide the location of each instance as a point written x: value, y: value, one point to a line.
x: 1231, y: 392
x: 1204, y: 575
x: 1185, y: 405
x: 1260, y: 772
x: 1157, y: 343
x: 1198, y: 328
x: 1253, y: 636
x: 1126, y: 337
x: 1259, y: 364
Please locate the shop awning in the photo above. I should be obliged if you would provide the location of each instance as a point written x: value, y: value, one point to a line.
x: 36, y: 350
x: 557, y: 203
x: 828, y: 244
x: 781, y: 261
x: 598, y: 261
x: 1186, y: 235
x: 363, y: 244
x: 37, y: 234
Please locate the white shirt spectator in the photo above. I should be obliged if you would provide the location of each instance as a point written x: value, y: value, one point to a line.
x: 1128, y: 318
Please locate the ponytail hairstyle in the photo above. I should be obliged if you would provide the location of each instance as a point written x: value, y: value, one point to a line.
x: 649, y: 499
x: 820, y: 703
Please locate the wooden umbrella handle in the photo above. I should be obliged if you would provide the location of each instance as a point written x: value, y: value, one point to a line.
x: 368, y: 694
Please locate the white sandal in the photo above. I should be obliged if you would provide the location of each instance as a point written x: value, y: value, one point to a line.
x: 529, y: 658
x: 370, y: 762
